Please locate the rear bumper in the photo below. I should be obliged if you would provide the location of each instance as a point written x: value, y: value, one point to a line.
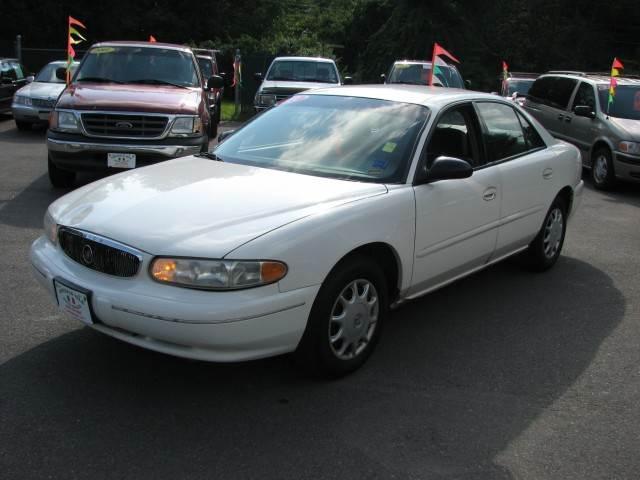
x: 76, y: 153
x: 627, y: 167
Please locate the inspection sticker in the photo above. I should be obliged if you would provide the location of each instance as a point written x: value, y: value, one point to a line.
x: 389, y: 147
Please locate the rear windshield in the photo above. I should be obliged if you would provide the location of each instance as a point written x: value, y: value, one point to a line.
x: 48, y: 72
x: 519, y: 86
x: 418, y: 74
x: 302, y: 71
x: 626, y: 102
x: 331, y: 136
x: 144, y: 65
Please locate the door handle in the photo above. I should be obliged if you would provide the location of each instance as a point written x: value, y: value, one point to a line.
x: 560, y: 117
x: 547, y: 173
x: 489, y: 194
x: 567, y: 119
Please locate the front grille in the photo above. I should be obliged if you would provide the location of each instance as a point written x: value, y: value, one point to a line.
x: 96, y: 255
x: 43, y: 103
x: 116, y: 125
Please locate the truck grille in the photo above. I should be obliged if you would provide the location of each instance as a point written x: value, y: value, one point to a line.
x: 96, y: 255
x: 116, y: 125
x: 43, y: 102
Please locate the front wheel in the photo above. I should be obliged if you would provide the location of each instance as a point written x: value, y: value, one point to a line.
x: 544, y: 250
x: 346, y: 319
x: 602, y: 172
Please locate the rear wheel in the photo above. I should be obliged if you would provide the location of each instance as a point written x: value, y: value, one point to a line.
x: 602, y: 172
x: 346, y: 319
x: 23, y: 126
x: 544, y: 250
x: 60, y: 178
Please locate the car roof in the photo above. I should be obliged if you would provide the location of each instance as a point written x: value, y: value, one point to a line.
x: 62, y: 62
x: 122, y: 43
x: 522, y: 76
x: 305, y: 59
x: 598, y: 78
x: 416, y: 94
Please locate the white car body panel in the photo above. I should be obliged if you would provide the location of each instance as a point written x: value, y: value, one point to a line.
x: 197, y: 207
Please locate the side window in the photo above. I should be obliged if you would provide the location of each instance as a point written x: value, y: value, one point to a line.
x: 553, y: 91
x: 531, y: 135
x: 585, y: 96
x: 453, y: 136
x: 540, y: 89
x: 6, y: 72
x: 17, y: 68
x: 503, y: 135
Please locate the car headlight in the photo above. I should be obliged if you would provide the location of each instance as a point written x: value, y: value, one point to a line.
x: 22, y: 100
x: 50, y: 228
x: 216, y: 274
x: 186, y: 126
x: 266, y: 100
x: 64, y: 122
x: 629, y: 147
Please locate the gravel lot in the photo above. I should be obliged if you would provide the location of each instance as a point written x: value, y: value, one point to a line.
x: 502, y: 375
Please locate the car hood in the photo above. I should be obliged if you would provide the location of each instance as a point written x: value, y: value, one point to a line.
x: 198, y: 207
x: 46, y: 90
x: 290, y: 88
x: 131, y: 98
x: 631, y: 127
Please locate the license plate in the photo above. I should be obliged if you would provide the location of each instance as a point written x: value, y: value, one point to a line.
x: 121, y: 160
x: 73, y: 302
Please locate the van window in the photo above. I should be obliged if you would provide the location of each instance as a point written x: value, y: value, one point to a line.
x: 585, y: 96
x: 553, y: 91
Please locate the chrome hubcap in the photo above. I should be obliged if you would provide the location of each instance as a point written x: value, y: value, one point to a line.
x: 553, y: 233
x: 353, y: 319
x: 600, y: 169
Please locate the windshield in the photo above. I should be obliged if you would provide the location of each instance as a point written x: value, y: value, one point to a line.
x: 626, y: 103
x: 206, y: 67
x: 302, y: 71
x: 139, y: 65
x: 331, y: 136
x: 48, y: 72
x: 418, y: 74
x: 520, y: 86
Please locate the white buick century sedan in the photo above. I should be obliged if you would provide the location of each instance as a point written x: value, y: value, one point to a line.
x: 302, y: 229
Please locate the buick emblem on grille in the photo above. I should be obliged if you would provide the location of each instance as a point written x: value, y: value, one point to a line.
x: 124, y: 125
x: 87, y: 254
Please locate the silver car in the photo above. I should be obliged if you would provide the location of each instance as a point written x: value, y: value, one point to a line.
x: 572, y: 106
x: 33, y: 103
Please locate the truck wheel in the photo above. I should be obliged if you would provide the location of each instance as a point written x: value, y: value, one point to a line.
x: 213, y: 127
x: 346, y: 319
x: 218, y: 112
x: 60, y: 178
x: 602, y: 171
x: 23, y: 126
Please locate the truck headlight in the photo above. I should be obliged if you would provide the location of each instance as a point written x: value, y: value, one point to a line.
x: 50, y: 228
x: 186, y: 126
x: 266, y: 100
x: 629, y: 147
x: 216, y: 274
x: 64, y: 122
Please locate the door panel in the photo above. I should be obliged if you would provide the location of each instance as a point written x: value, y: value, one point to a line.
x: 456, y: 226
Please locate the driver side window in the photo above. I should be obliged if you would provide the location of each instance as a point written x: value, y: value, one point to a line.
x: 585, y: 96
x: 453, y: 136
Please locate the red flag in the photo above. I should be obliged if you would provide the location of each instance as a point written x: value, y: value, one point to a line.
x: 73, y: 21
x: 152, y: 39
x: 617, y: 64
x: 437, y: 52
x: 505, y: 67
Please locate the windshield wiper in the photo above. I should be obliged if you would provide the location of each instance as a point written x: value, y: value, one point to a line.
x: 155, y: 81
x: 209, y: 155
x: 97, y: 80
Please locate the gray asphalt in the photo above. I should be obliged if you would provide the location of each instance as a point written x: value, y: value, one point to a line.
x: 503, y: 375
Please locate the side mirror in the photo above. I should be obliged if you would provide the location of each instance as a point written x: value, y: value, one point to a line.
x: 467, y: 83
x: 383, y: 78
x: 30, y: 78
x: 61, y: 73
x: 584, y: 111
x: 348, y: 81
x: 446, y: 168
x: 216, y: 81
x: 224, y: 135
x: 258, y: 77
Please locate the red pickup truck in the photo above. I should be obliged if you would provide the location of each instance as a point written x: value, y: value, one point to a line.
x: 129, y: 104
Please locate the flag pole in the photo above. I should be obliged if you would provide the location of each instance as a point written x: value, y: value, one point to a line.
x: 433, y: 64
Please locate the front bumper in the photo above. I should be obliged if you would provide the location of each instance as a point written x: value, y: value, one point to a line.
x: 29, y: 113
x: 213, y: 326
x: 627, y: 167
x: 75, y: 152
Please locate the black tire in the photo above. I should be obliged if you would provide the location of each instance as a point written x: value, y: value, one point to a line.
x: 23, y: 126
x: 544, y: 250
x: 316, y: 353
x: 213, y: 127
x: 602, y: 171
x: 60, y: 178
x: 218, y: 112
x: 204, y: 148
